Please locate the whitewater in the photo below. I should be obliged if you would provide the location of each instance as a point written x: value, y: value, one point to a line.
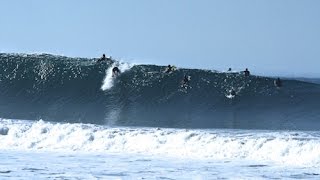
x: 68, y: 118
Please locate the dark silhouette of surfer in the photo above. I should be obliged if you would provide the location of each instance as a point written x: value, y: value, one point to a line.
x: 185, y: 81
x: 246, y: 72
x: 233, y: 92
x: 115, y: 71
x: 103, y: 58
x: 169, y: 69
x: 277, y: 82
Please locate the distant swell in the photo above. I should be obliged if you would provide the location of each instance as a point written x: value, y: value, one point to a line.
x: 63, y: 89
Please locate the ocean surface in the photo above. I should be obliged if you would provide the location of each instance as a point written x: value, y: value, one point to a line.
x: 69, y: 118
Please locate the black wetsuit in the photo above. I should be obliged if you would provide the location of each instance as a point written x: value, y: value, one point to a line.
x: 185, y: 80
x: 278, y: 82
x: 116, y: 70
x: 103, y: 58
x: 233, y: 92
x: 246, y: 72
x: 169, y: 69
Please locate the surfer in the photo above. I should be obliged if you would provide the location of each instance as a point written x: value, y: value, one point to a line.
x: 115, y: 71
x: 229, y: 70
x: 185, y: 81
x: 103, y: 58
x: 233, y: 92
x: 277, y: 82
x: 246, y: 72
x: 170, y: 69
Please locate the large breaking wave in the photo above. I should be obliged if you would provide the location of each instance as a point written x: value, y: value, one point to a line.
x: 63, y: 89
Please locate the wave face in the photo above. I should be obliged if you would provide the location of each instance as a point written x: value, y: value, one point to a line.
x: 63, y: 89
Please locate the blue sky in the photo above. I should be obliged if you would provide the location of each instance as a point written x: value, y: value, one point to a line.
x: 270, y: 37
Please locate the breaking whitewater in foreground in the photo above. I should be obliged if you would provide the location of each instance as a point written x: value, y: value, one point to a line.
x: 77, y: 121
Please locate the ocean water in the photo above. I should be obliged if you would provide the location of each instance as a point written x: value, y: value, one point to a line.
x: 68, y: 118
x: 38, y: 149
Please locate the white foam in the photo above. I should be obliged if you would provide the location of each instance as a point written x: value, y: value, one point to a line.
x: 282, y: 147
x: 108, y: 80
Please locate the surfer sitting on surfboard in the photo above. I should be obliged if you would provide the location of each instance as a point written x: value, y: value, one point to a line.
x: 170, y: 69
x: 246, y: 72
x: 103, y: 58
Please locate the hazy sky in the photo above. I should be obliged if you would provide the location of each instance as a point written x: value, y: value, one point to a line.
x: 270, y: 37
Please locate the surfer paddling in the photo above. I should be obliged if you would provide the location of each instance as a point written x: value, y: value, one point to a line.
x: 104, y: 58
x: 170, y: 69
